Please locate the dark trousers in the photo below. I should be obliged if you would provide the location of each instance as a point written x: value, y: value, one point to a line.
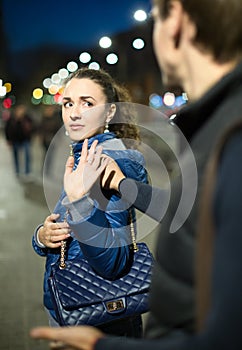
x: 18, y: 147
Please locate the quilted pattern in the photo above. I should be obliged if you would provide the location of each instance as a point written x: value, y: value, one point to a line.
x: 81, y: 296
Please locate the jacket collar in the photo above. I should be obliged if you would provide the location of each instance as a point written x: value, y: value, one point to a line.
x: 191, y: 117
x: 77, y: 146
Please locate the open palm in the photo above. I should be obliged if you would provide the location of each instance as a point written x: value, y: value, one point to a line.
x: 78, y: 182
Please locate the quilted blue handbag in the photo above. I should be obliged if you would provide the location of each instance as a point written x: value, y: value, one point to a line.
x: 80, y: 296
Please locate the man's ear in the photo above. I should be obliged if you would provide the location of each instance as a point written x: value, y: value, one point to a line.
x: 176, y: 14
x: 180, y: 23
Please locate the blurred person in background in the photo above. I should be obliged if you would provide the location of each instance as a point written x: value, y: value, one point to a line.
x: 49, y: 125
x: 193, y: 306
x: 18, y: 131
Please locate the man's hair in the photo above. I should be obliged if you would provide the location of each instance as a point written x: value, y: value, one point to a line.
x: 218, y: 23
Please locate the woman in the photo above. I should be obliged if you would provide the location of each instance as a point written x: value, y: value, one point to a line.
x: 96, y: 224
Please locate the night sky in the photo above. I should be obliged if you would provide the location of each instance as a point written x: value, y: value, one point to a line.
x: 71, y: 23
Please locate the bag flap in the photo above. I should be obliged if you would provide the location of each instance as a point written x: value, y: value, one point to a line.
x: 78, y: 285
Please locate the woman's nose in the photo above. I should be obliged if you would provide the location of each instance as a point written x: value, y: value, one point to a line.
x: 75, y: 117
x: 76, y: 113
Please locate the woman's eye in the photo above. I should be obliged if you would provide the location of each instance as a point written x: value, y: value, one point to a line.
x: 68, y: 104
x: 88, y: 104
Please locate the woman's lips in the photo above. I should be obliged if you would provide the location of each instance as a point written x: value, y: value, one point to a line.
x: 76, y: 127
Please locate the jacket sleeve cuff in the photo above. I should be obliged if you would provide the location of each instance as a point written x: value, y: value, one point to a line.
x: 39, y: 248
x: 36, y: 237
x: 80, y: 208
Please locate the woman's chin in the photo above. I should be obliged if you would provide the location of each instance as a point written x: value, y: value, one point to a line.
x: 74, y: 136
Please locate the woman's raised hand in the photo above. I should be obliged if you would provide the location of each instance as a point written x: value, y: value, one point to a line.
x: 78, y: 182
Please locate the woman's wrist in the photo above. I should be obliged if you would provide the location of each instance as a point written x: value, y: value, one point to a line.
x: 74, y: 198
x: 40, y: 244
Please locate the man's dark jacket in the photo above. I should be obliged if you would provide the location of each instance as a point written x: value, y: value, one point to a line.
x: 172, y: 292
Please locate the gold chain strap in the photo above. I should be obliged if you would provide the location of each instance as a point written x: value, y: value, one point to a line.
x: 131, y: 223
x: 71, y: 151
x: 62, y: 264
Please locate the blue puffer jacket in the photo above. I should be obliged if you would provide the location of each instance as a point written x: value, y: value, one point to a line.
x: 103, y: 235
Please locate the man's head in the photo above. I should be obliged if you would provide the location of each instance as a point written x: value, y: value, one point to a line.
x: 187, y: 30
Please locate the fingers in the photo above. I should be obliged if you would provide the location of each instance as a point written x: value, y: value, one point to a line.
x: 88, y: 155
x: 58, y: 345
x: 93, y: 147
x: 109, y: 159
x: 91, y: 156
x: 52, y: 233
x: 69, y: 165
x: 52, y: 217
x: 43, y: 333
x: 55, y: 241
x: 103, y: 164
x: 65, y: 336
x: 84, y: 152
x: 91, y: 153
x: 82, y: 337
x: 96, y: 158
x: 58, y: 231
x: 91, y: 165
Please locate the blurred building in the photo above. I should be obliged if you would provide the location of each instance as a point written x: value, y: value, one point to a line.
x: 136, y: 67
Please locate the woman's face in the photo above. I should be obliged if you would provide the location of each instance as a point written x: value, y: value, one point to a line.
x: 81, y: 120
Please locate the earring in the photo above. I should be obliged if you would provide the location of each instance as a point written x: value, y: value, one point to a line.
x: 66, y: 133
x: 106, y: 128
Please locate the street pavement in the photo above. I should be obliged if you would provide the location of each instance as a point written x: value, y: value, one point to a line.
x: 21, y: 271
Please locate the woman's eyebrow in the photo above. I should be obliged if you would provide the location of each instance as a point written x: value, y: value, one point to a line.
x: 81, y: 98
x: 86, y: 96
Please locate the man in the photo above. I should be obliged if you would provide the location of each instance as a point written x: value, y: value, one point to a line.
x: 198, y: 46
